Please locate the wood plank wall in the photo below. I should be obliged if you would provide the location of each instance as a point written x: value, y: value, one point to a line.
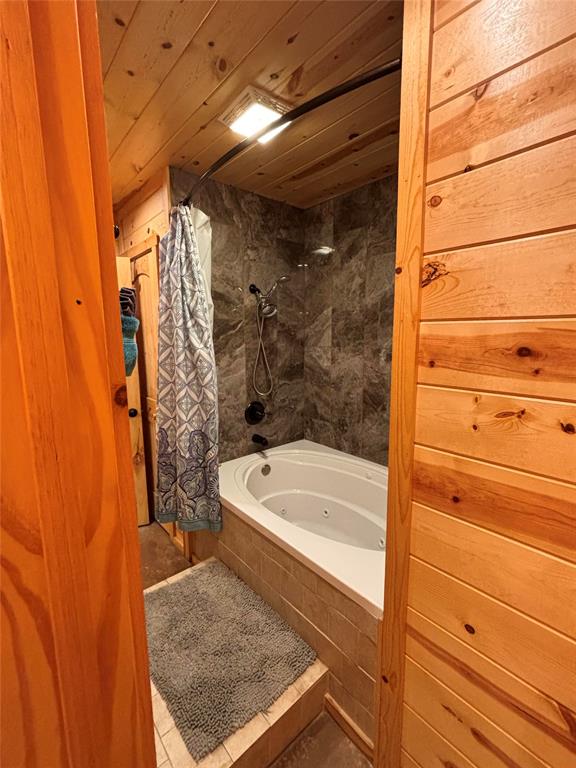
x: 488, y: 677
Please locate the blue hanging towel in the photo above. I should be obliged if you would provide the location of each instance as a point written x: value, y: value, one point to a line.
x: 130, y: 325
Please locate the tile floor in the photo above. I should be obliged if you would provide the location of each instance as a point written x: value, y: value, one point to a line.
x: 159, y: 557
x: 323, y: 744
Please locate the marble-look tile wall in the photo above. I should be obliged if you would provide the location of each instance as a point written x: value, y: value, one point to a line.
x: 254, y: 240
x: 349, y: 307
x: 329, y: 346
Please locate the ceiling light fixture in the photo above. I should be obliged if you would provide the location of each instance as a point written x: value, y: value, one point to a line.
x: 252, y: 111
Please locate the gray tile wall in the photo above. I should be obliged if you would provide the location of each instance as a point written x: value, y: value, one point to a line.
x: 349, y: 306
x: 329, y: 346
x: 254, y: 240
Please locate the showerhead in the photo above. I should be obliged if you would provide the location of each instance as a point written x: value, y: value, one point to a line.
x: 266, y: 308
x: 281, y: 279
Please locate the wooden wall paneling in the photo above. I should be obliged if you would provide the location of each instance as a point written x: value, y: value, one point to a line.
x: 156, y: 37
x: 535, y: 193
x: 72, y: 474
x: 534, y: 275
x: 411, y: 179
x: 529, y: 357
x: 529, y: 434
x: 428, y: 747
x: 480, y: 739
x: 491, y: 622
x: 527, y: 105
x: 492, y: 36
x: 61, y: 91
x: 141, y: 215
x: 534, y: 510
x: 527, y: 579
x: 446, y: 10
x: 528, y: 649
x: 113, y: 19
x: 529, y: 715
x: 406, y: 761
x: 139, y: 198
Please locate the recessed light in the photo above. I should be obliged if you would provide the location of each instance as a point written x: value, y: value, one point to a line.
x: 252, y: 111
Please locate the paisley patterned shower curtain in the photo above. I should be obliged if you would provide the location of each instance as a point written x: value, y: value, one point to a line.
x: 187, y: 426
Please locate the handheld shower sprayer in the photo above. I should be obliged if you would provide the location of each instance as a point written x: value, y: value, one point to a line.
x: 265, y: 308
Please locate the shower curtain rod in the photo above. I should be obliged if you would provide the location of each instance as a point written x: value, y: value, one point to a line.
x: 318, y: 101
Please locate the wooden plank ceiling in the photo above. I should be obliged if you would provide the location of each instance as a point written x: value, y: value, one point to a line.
x: 172, y: 68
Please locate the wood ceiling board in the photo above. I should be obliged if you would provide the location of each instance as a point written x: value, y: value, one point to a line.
x: 370, y: 35
x: 384, y: 139
x: 207, y: 131
x: 386, y: 146
x: 251, y: 162
x: 324, y: 27
x: 256, y: 65
x: 315, y: 135
x: 154, y: 41
x: 294, y: 49
x: 281, y: 54
x: 113, y: 20
x: 184, y: 100
x: 327, y: 152
x: 358, y: 172
x: 213, y: 139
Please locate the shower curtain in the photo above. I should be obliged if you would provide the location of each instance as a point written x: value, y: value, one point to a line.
x: 187, y: 420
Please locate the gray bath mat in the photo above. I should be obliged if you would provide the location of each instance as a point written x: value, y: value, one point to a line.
x: 218, y: 654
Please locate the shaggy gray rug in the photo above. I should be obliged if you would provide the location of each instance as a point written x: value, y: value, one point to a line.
x: 219, y: 654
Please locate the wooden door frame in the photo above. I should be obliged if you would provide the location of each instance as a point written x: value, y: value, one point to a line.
x: 75, y: 685
x: 416, y: 50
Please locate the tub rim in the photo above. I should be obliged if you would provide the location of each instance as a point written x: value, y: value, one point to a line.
x: 234, y: 494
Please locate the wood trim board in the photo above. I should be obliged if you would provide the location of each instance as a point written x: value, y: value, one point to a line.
x: 409, y: 249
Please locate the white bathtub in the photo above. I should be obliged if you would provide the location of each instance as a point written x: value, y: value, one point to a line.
x: 325, y: 507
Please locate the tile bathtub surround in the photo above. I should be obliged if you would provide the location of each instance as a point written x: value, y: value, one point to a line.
x: 330, y: 344
x: 342, y: 632
x: 254, y: 240
x: 349, y: 310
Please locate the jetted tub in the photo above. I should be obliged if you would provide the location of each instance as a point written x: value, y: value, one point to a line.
x: 327, y: 508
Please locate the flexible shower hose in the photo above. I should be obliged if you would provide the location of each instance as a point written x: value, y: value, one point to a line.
x: 260, y: 319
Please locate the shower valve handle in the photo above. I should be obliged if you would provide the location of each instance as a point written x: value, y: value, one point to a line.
x: 255, y: 412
